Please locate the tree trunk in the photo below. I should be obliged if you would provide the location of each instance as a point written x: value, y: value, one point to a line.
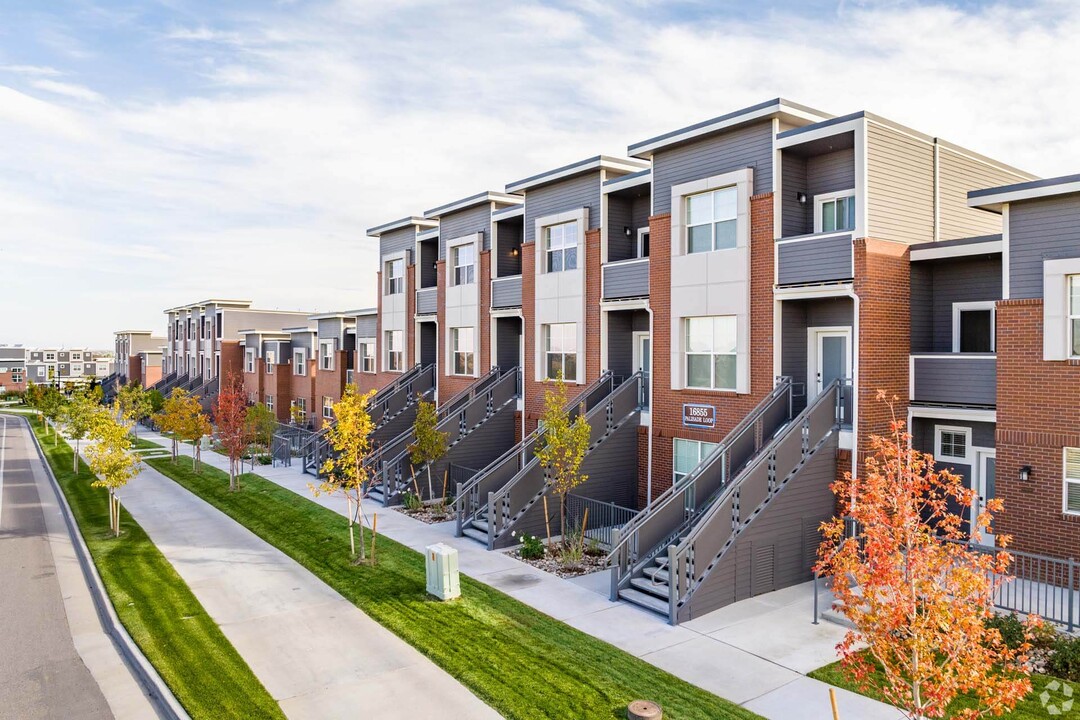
x: 430, y: 487
x: 117, y: 517
x: 75, y: 459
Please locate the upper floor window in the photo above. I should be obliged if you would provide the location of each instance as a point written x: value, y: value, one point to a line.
x: 299, y: 362
x: 461, y: 345
x: 711, y: 220
x: 710, y: 344
x: 326, y: 355
x: 834, y: 211
x: 76, y: 357
x: 270, y: 360
x: 560, y: 351
x: 1072, y: 480
x: 688, y: 455
x: 50, y: 357
x: 327, y: 407
x: 464, y: 261
x: 973, y: 327
x: 249, y: 360
x: 560, y: 247
x: 394, y: 356
x: 269, y: 402
x: 395, y: 277
x: 366, y: 351
x: 1074, y: 315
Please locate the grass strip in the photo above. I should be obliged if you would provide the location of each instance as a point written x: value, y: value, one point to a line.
x: 159, y: 611
x: 1030, y: 708
x: 521, y: 662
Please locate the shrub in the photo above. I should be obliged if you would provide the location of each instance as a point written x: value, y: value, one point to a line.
x: 264, y: 459
x: 532, y: 548
x: 1010, y: 626
x: 411, y: 501
x: 1064, y: 660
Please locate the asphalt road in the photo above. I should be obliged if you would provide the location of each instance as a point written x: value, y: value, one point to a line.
x: 41, y: 673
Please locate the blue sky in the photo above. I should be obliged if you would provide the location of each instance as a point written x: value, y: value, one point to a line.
x: 156, y: 153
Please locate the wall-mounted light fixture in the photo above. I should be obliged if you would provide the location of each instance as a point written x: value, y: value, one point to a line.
x: 1025, y: 473
x: 514, y: 252
x: 801, y: 197
x: 626, y: 231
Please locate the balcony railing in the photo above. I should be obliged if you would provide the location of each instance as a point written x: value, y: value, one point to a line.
x: 817, y: 258
x: 427, y: 301
x: 626, y: 279
x: 954, y: 379
x: 506, y: 292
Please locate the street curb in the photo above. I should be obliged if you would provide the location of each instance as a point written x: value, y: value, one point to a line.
x: 164, y: 701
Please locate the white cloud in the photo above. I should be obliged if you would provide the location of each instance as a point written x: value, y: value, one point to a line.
x: 76, y: 92
x: 298, y: 130
x: 36, y: 70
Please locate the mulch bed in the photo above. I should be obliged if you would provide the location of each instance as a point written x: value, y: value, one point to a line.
x: 429, y: 514
x: 590, y: 563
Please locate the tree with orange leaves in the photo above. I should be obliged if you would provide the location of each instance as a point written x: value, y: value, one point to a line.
x: 916, y: 593
x: 230, y: 416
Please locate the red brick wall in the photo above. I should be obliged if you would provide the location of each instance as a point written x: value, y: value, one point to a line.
x: 232, y: 359
x: 279, y: 384
x: 151, y: 374
x: 254, y: 381
x: 10, y: 385
x: 882, y: 283
x: 330, y: 383
x: 134, y: 368
x: 1037, y: 415
x: 303, y: 386
x: 666, y: 405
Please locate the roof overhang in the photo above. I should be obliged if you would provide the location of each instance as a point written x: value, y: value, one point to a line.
x: 213, y: 301
x: 779, y: 107
x: 964, y: 247
x: 341, y: 314
x: 600, y: 162
x: 643, y: 177
x: 432, y: 234
x: 992, y: 199
x: 405, y: 222
x: 262, y: 333
x: 509, y: 212
x: 298, y: 330
x: 472, y: 201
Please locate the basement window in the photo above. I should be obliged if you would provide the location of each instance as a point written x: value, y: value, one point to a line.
x: 953, y: 443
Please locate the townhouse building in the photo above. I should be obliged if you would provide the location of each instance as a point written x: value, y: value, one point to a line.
x: 12, y: 368
x: 139, y: 355
x: 68, y: 367
x: 725, y: 304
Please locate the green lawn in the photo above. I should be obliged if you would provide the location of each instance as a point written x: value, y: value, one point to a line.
x: 143, y: 444
x: 520, y: 661
x: 1030, y: 708
x: 191, y: 654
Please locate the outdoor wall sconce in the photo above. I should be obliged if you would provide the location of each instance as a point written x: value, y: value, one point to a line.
x: 1025, y: 473
x: 626, y: 231
x: 801, y: 197
x: 513, y: 252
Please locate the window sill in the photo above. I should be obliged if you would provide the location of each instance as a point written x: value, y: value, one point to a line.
x: 717, y: 391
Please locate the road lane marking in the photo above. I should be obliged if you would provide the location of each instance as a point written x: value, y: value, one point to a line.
x: 3, y: 450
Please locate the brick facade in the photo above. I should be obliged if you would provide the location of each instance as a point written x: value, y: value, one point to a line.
x: 134, y: 368
x: 303, y: 386
x: 330, y: 383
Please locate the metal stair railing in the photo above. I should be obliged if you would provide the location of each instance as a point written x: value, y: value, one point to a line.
x: 388, y: 402
x: 481, y: 405
x: 691, y: 560
x: 652, y: 529
x: 467, y: 496
x: 509, y: 503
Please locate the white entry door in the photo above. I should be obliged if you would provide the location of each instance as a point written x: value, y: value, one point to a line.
x: 983, y: 485
x: 828, y: 358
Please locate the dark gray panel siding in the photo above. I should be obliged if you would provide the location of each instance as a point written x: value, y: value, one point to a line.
x: 510, y: 234
x: 793, y: 181
x: 506, y: 292
x: 620, y: 344
x: 956, y: 380
x: 810, y: 261
x: 626, y: 281
x: 799, y: 315
x: 507, y: 342
x: 559, y: 197
x: 465, y: 222
x: 366, y: 326
x: 429, y: 255
x: 922, y: 432
x: 397, y: 240
x: 427, y: 301
x: 962, y: 280
x: 750, y: 146
x: 1040, y: 230
x: 640, y: 211
x: 620, y: 215
x: 922, y: 308
x: 831, y: 172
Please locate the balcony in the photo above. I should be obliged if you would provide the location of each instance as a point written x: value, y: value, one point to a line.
x: 626, y: 279
x: 427, y: 301
x: 506, y: 292
x: 814, y: 259
x: 954, y: 379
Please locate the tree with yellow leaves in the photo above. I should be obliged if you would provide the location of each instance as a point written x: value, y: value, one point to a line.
x: 350, y: 441
x: 562, y: 447
x: 111, y: 460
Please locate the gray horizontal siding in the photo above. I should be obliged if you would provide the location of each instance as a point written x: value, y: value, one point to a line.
x: 956, y: 380
x: 427, y: 301
x: 1040, y: 230
x: 397, y: 240
x: 563, y: 196
x: 750, y: 146
x: 626, y: 280
x: 820, y: 260
x: 465, y: 222
x: 366, y: 326
x: 506, y: 292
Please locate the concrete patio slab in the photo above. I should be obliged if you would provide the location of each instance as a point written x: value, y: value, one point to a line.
x: 805, y: 697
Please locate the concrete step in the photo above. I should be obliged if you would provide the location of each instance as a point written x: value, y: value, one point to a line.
x: 656, y: 573
x: 480, y: 537
x: 645, y: 600
x: 647, y: 586
x: 481, y: 524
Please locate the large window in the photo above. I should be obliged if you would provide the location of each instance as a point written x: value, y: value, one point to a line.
x: 710, y: 220
x: 299, y: 358
x: 394, y: 357
x: 300, y: 405
x: 688, y: 455
x: 395, y: 277
x: 710, y: 352
x: 269, y: 402
x: 560, y: 247
x: 560, y: 351
x: 464, y: 261
x: 367, y: 357
x: 327, y: 407
x: 326, y: 355
x: 952, y: 443
x: 835, y: 211
x: 1074, y: 315
x: 16, y: 375
x: 1072, y: 480
x: 461, y: 345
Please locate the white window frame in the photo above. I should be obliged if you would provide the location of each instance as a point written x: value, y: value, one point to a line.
x: 389, y: 352
x: 41, y: 371
x: 299, y: 361
x: 1067, y: 480
x: 548, y: 250
x: 712, y: 354
x: 327, y: 409
x: 269, y: 360
x: 711, y: 192
x: 468, y: 269
x: 939, y: 456
x: 76, y: 357
x: 249, y: 360
x: 326, y: 356
x: 822, y: 198
x: 639, y: 249
x: 394, y: 284
x: 301, y: 403
x: 269, y: 402
x: 467, y: 353
x: 366, y: 352
x: 1071, y: 318
x: 702, y: 454
x: 961, y: 307
x: 50, y: 357
x: 545, y: 339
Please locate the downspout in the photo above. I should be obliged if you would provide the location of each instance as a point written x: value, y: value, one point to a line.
x: 854, y: 390
x: 648, y: 469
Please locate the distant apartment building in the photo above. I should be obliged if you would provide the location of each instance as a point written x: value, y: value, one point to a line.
x: 139, y: 356
x: 63, y: 368
x: 12, y: 368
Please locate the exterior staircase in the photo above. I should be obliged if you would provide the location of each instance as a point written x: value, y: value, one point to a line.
x: 744, y: 522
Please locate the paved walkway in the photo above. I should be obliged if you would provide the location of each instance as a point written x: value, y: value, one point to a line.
x: 316, y: 653
x: 755, y: 652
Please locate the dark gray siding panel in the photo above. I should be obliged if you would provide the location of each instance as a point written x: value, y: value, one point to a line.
x: 397, y: 240
x: 508, y: 342
x: 629, y: 280
x: 366, y: 326
x: 799, y: 315
x: 922, y: 432
x: 1040, y: 230
x: 427, y: 301
x: 620, y: 215
x: 465, y: 222
x: 640, y: 211
x: 962, y: 280
x: 750, y: 146
x: 793, y: 178
x: 506, y: 292
x: 559, y: 197
x: 429, y: 255
x: 956, y: 380
x: 810, y: 261
x: 620, y: 344
x: 922, y: 308
x: 831, y: 172
x: 510, y: 234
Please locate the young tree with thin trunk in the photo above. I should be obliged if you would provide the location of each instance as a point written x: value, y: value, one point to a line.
x: 134, y: 404
x: 230, y: 416
x: 194, y: 426
x: 111, y: 460
x: 261, y: 424
x: 562, y: 447
x: 78, y: 416
x: 350, y: 441
x: 50, y: 406
x: 176, y: 419
x: 430, y: 443
x: 916, y: 593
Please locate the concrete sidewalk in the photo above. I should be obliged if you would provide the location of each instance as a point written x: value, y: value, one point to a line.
x: 316, y: 653
x: 755, y: 652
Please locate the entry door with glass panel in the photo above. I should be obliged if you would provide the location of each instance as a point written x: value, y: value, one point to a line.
x: 830, y: 359
x: 983, y: 481
x: 643, y: 362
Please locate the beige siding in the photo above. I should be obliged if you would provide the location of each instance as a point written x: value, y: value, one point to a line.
x: 900, y: 183
x: 957, y: 174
